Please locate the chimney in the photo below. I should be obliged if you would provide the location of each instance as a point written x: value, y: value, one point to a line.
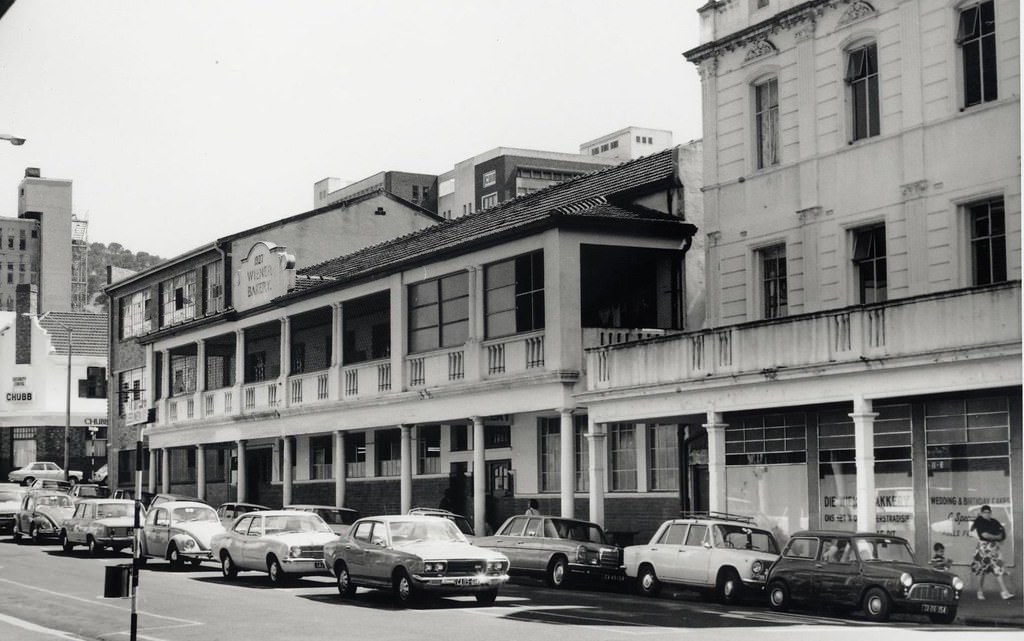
x: 25, y: 301
x: 33, y: 172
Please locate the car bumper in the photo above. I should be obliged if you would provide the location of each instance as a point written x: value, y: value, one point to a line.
x: 197, y: 555
x: 459, y: 584
x: 598, y: 572
x: 114, y: 541
x: 304, y: 566
x: 6, y: 522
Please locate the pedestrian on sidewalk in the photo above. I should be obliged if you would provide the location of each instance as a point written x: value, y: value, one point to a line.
x: 987, y: 558
x: 939, y: 560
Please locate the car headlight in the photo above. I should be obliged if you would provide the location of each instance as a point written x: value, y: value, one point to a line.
x: 757, y: 567
x: 189, y: 544
x: 294, y: 551
x: 906, y: 580
x: 496, y: 566
x: 958, y: 583
x: 435, y: 567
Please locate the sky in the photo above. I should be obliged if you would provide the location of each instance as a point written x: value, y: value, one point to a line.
x: 181, y: 122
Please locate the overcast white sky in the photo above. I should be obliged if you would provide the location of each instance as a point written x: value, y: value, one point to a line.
x: 183, y: 121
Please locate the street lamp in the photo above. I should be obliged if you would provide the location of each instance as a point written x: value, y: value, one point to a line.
x: 14, y: 140
x: 67, y: 400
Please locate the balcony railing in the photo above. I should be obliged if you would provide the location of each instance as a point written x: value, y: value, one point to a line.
x: 304, y: 389
x: 920, y: 325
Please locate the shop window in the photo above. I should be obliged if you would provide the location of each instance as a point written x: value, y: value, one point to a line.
x: 24, y: 446
x: 514, y: 295
x: 976, y: 37
x: 862, y: 91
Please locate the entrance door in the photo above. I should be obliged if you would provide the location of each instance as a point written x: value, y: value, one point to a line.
x: 258, y: 472
x: 457, y: 487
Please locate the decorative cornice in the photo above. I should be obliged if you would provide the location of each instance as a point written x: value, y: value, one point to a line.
x: 714, y: 237
x: 914, y: 190
x: 760, y: 49
x: 858, y: 11
x: 707, y: 68
x: 809, y: 214
x: 806, y: 30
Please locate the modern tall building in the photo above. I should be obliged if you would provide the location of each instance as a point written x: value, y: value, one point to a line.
x: 46, y: 245
x: 418, y: 189
x: 860, y: 365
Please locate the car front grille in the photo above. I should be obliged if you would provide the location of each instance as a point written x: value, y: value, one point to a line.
x: 465, y: 567
x: 312, y: 551
x: 931, y: 592
x: 610, y: 557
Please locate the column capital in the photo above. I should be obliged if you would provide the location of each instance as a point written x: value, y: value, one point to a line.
x: 565, y: 410
x: 870, y: 416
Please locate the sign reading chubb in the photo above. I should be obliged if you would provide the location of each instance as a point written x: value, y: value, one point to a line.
x: 265, y: 273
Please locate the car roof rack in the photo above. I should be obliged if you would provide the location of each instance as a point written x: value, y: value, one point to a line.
x: 723, y: 516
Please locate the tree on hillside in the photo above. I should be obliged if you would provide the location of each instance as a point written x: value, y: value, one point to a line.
x: 114, y: 255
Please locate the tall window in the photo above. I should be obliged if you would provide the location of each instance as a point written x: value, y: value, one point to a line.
x: 869, y: 262
x: 135, y: 319
x: 550, y: 454
x: 988, y: 241
x: 178, y: 299
x: 976, y: 35
x: 582, y: 453
x: 514, y: 295
x: 622, y: 450
x: 428, y: 439
x: 663, y: 456
x: 774, y: 291
x: 388, y: 448
x: 766, y: 113
x: 439, y: 313
x: 23, y: 446
x: 131, y: 391
x: 183, y: 374
x: 355, y: 454
x: 862, y: 79
x: 213, y: 287
x: 321, y: 464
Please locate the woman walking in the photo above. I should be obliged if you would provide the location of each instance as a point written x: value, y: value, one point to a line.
x: 987, y: 559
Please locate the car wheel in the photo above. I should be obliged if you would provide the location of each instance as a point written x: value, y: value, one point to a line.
x: 948, y: 617
x: 778, y: 596
x: 729, y: 587
x: 174, y: 556
x: 33, y: 534
x: 16, y: 534
x: 487, y: 598
x: 65, y: 544
x: 647, y: 582
x: 402, y: 586
x: 274, y: 571
x: 877, y: 604
x: 227, y: 567
x: 558, y: 572
x: 94, y: 547
x: 344, y: 580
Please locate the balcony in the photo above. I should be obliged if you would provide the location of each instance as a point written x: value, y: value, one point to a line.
x: 958, y: 320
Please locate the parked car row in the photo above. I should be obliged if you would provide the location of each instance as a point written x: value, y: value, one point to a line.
x: 428, y: 552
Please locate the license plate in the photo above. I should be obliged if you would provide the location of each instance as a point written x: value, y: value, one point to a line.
x: 934, y: 609
x: 465, y: 581
x: 318, y: 564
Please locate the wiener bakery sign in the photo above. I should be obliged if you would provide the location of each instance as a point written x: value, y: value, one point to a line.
x: 266, y: 272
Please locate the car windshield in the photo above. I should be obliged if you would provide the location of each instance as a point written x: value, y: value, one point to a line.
x: 575, y: 531
x: 744, y: 538
x: 94, y: 491
x: 883, y: 550
x: 282, y: 523
x: 54, y: 501
x: 403, y: 532
x: 192, y: 513
x: 337, y: 517
x: 110, y: 510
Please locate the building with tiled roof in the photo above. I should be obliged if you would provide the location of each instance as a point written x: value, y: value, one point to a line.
x: 34, y: 405
x: 384, y: 376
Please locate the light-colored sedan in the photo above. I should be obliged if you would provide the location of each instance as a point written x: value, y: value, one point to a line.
x: 180, y: 531
x: 412, y: 555
x: 42, y: 470
x: 99, y: 523
x: 282, y: 543
x: 10, y: 503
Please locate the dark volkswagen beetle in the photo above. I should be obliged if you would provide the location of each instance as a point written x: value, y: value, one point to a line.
x: 875, y: 573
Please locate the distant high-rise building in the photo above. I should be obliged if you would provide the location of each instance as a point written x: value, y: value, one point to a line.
x: 44, y: 246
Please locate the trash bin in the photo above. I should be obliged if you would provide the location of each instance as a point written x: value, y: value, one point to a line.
x: 115, y: 581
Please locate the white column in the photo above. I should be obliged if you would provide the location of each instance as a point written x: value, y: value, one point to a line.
x: 337, y: 336
x: 286, y: 473
x: 479, y: 477
x: 240, y: 367
x: 286, y: 364
x: 240, y: 472
x: 568, y: 463
x: 165, y: 379
x: 406, y: 469
x: 339, y: 468
x: 200, y: 373
x: 165, y: 470
x: 596, y: 438
x: 151, y: 484
x: 864, y: 455
x: 200, y: 470
x: 717, y: 497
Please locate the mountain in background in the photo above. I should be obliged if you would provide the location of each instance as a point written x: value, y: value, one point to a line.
x: 113, y: 255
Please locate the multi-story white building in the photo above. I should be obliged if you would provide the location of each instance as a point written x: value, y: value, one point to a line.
x: 861, y: 363
x: 628, y: 143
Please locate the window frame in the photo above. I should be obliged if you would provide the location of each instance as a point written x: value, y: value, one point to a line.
x: 527, y: 304
x: 773, y: 305
x: 766, y: 123
x: 863, y: 83
x: 997, y: 273
x: 438, y: 303
x: 986, y: 65
x: 549, y: 453
x: 622, y: 460
x: 870, y: 259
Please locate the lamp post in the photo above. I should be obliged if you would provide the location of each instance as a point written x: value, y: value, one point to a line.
x: 14, y: 140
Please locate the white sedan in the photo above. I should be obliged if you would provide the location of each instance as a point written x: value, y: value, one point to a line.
x: 282, y: 543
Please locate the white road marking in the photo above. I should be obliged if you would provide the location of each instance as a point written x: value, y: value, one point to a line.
x: 32, y: 627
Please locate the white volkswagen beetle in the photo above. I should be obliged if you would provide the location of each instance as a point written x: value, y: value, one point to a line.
x: 180, y: 531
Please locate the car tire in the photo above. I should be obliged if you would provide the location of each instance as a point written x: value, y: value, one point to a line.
x: 877, y: 604
x: 275, y: 572
x: 17, y: 536
x: 174, y: 557
x: 728, y: 587
x: 66, y: 544
x: 344, y: 580
x: 778, y: 596
x: 647, y: 582
x: 33, y: 533
x: 402, y: 587
x: 487, y: 598
x: 946, y: 618
x: 228, y: 569
x: 558, y: 572
x: 94, y: 548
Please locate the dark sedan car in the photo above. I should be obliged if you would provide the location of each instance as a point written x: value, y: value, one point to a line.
x: 556, y: 549
x: 875, y: 573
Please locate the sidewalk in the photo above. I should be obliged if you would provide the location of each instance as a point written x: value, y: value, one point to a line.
x: 992, y: 611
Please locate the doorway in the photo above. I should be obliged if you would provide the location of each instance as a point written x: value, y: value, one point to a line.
x: 258, y: 473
